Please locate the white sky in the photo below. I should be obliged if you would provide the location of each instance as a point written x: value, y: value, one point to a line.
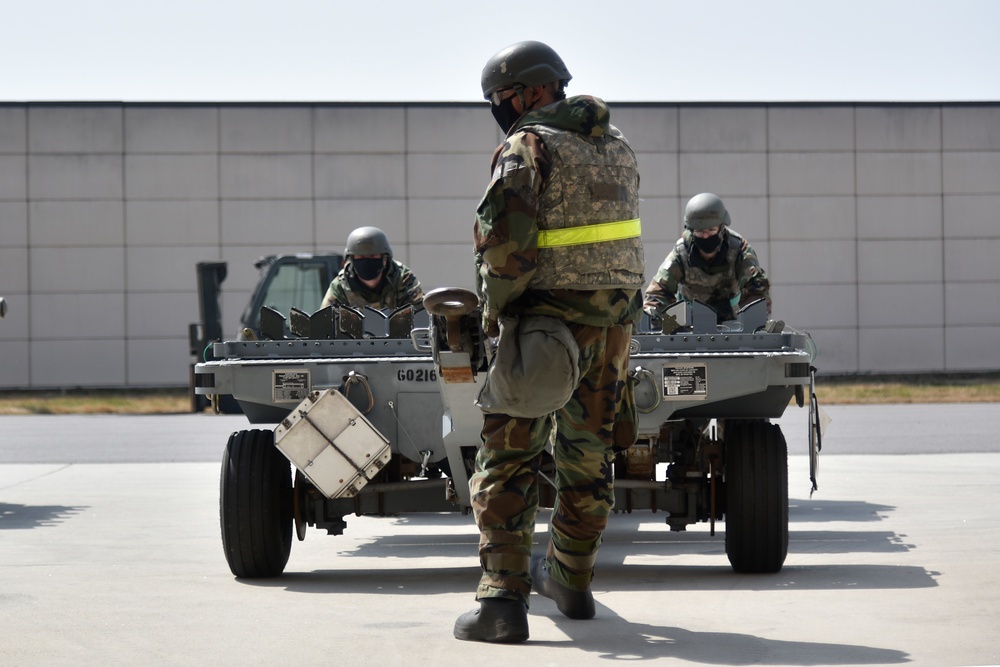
x: 434, y: 50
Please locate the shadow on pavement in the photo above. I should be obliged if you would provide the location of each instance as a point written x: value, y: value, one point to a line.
x: 606, y: 636
x: 639, y: 554
x: 639, y: 578
x: 612, y: 637
x: 836, y: 510
x: 25, y: 517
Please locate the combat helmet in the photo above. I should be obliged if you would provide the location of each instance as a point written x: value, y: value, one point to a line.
x: 368, y: 241
x: 526, y: 64
x: 705, y: 211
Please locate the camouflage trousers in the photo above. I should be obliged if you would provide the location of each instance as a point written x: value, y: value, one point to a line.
x: 504, y: 487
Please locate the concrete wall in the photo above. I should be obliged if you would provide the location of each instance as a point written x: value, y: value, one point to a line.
x: 878, y: 224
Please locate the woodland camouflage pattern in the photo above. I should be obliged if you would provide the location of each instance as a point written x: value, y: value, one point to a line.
x: 399, y: 287
x: 505, y: 484
x: 732, y: 280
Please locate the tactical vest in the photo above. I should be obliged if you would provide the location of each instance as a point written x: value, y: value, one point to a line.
x: 588, y: 214
x: 720, y: 282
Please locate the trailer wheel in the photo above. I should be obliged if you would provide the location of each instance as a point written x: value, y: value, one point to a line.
x: 255, y: 505
x: 756, y: 496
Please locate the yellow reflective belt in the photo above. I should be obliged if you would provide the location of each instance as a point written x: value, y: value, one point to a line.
x: 605, y: 231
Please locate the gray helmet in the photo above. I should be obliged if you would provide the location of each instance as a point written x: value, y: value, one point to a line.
x: 368, y: 241
x: 705, y: 211
x: 524, y: 63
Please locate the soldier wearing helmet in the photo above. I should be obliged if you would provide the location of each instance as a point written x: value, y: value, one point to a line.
x: 371, y: 277
x: 557, y: 242
x: 710, y: 263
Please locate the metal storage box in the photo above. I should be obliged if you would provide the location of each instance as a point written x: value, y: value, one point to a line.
x: 332, y: 443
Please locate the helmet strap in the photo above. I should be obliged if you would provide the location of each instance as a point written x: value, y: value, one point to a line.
x: 519, y: 91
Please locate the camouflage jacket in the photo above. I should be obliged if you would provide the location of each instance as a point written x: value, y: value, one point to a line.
x: 732, y: 279
x: 507, y: 224
x: 398, y: 288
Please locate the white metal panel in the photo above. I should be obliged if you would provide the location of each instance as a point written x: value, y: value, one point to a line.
x: 332, y: 444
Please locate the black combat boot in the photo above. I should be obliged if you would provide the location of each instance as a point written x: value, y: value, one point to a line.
x: 573, y: 604
x: 497, y: 620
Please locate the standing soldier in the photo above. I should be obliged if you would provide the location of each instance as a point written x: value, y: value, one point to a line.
x: 709, y: 263
x: 371, y: 277
x: 558, y: 248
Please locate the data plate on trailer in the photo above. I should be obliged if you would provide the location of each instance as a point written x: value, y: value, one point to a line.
x: 685, y: 381
x: 290, y: 386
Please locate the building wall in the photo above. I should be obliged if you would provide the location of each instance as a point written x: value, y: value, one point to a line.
x: 877, y: 223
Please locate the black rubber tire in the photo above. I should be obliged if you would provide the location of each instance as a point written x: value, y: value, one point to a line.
x: 255, y: 505
x: 756, y: 496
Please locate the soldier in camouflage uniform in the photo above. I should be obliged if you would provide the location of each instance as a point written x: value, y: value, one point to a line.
x: 709, y: 263
x: 557, y: 234
x: 371, y: 277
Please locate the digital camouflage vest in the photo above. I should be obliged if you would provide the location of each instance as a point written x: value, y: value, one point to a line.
x: 594, y: 181
x: 717, y: 282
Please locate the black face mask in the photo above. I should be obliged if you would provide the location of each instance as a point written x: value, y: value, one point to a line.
x: 504, y: 114
x: 709, y: 244
x: 368, y: 268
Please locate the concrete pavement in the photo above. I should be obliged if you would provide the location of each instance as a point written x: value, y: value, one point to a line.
x: 893, y: 561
